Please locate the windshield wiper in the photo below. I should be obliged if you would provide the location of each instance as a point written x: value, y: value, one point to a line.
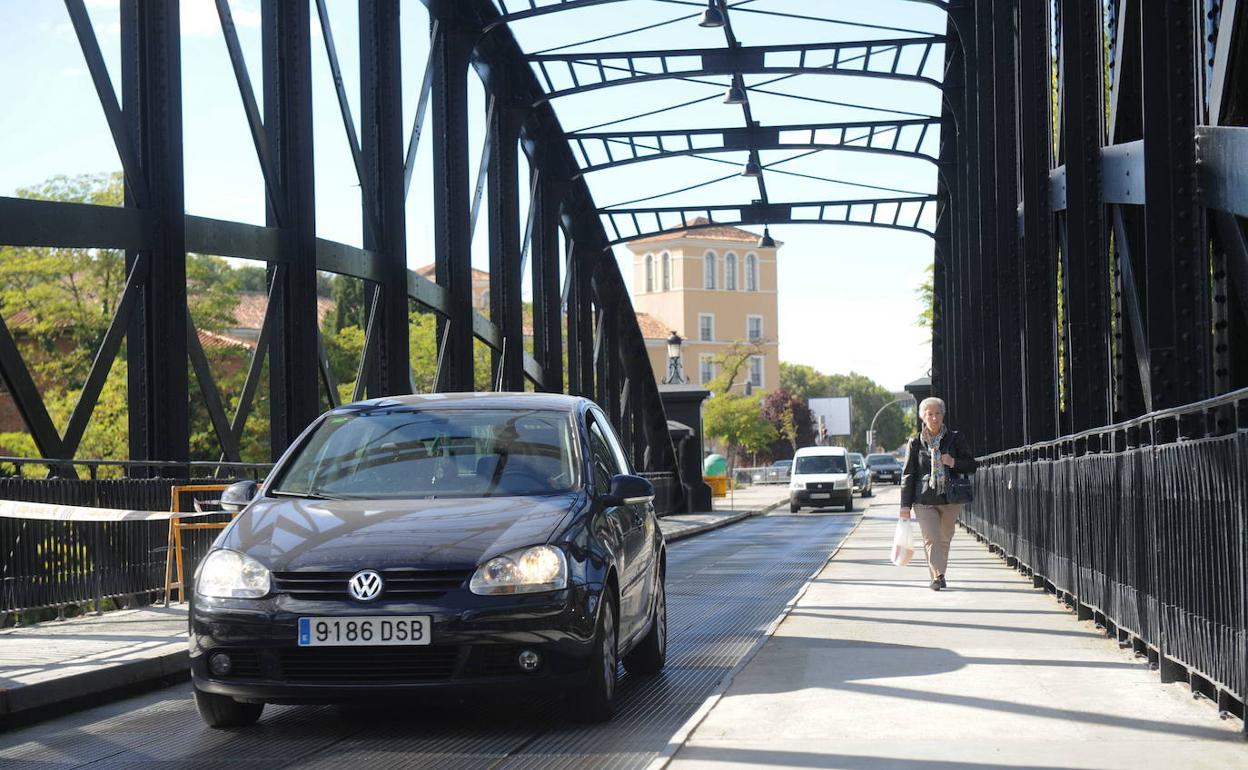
x: 308, y: 495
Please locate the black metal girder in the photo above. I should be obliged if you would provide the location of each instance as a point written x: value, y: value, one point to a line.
x: 1175, y: 244
x: 904, y: 138
x: 382, y: 174
x: 893, y: 213
x: 293, y: 355
x: 158, y: 395
x: 590, y: 71
x: 1035, y: 120
x: 1086, y: 254
x: 560, y: 6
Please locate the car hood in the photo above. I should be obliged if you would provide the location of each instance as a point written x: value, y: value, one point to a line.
x: 288, y: 534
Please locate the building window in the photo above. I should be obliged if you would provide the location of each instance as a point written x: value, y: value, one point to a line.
x: 754, y: 328
x: 706, y: 327
x: 730, y: 271
x: 708, y: 270
x: 667, y: 271
x: 751, y: 272
x: 706, y: 368
x: 756, y: 371
x: 649, y: 272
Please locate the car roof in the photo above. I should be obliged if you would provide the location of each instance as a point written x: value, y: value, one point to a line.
x: 548, y: 401
x: 821, y: 450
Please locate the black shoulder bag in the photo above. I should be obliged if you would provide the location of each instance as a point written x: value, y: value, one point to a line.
x: 959, y: 490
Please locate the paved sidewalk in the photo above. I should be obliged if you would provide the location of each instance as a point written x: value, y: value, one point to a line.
x: 89, y: 658
x: 874, y: 670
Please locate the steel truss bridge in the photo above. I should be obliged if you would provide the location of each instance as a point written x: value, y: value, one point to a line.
x: 1090, y: 328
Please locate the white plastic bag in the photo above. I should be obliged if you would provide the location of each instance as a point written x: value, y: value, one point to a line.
x: 903, y: 545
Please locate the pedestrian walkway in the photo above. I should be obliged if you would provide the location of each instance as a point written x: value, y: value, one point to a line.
x: 874, y: 670
x: 84, y: 659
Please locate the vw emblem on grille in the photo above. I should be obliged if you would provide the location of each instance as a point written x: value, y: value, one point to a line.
x: 365, y: 586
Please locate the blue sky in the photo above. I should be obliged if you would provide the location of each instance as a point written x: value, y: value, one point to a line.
x: 847, y: 294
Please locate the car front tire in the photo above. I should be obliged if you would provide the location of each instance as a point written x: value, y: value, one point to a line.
x: 650, y: 654
x: 595, y: 700
x: 849, y: 503
x: 220, y: 711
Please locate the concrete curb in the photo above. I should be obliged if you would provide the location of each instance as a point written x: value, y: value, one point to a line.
x: 54, y: 697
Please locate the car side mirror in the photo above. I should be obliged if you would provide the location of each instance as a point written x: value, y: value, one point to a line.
x: 236, y: 496
x: 629, y: 490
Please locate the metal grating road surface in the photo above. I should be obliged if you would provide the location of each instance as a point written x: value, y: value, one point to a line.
x: 724, y: 590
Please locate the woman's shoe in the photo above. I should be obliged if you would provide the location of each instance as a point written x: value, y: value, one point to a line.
x: 937, y: 584
x: 942, y: 581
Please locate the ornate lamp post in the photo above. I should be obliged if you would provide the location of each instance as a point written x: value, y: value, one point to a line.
x: 675, y: 376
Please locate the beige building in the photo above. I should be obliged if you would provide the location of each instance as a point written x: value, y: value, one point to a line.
x: 716, y: 288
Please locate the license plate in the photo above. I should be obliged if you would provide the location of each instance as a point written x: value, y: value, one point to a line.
x: 820, y: 495
x: 366, y: 632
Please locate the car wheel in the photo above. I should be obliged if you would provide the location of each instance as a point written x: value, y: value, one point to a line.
x: 223, y: 711
x: 794, y: 507
x: 868, y: 493
x: 849, y: 503
x: 595, y: 700
x: 650, y: 655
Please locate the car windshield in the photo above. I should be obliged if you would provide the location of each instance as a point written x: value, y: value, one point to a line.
x: 821, y: 464
x: 881, y: 460
x: 400, y: 452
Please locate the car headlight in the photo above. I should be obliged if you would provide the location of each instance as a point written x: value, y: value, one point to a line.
x: 525, y: 571
x: 842, y: 484
x: 226, y: 574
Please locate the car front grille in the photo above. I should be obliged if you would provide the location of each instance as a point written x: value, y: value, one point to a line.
x: 381, y: 665
x: 396, y: 583
x: 821, y: 486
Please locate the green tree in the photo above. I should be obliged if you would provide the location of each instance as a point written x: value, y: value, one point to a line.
x: 927, y: 298
x: 739, y: 422
x: 732, y: 363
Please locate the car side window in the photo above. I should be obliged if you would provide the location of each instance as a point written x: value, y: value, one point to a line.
x: 621, y: 457
x: 603, y: 458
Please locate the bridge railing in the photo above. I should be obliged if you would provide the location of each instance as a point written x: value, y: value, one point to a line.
x: 1141, y: 526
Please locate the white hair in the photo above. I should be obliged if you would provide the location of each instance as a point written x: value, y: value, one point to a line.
x: 932, y: 401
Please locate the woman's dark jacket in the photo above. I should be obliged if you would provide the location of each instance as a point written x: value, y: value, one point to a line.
x: 919, y: 465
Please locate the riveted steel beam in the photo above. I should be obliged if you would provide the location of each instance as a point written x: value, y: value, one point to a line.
x: 1086, y: 253
x: 904, y: 59
x: 600, y: 151
x: 914, y: 214
x: 158, y: 394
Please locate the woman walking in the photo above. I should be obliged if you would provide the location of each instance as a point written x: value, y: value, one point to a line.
x: 933, y: 459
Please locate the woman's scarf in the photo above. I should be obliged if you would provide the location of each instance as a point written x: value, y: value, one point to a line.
x: 938, y: 479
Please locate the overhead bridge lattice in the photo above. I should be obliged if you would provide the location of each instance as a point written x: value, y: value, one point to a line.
x: 558, y: 315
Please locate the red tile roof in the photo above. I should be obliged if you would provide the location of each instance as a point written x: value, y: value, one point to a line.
x: 249, y: 313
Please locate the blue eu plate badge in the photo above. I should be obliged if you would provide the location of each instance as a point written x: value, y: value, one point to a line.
x: 305, y: 632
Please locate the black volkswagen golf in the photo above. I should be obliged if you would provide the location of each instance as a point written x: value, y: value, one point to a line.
x: 426, y: 545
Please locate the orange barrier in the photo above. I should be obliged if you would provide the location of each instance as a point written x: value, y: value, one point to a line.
x: 173, y: 557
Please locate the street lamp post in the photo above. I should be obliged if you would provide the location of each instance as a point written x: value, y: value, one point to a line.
x: 871, y: 430
x: 675, y: 376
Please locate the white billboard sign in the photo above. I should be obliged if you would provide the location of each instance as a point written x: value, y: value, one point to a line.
x: 831, y: 415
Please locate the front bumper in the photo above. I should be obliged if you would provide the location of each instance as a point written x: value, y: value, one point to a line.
x: 473, y: 647
x: 806, y: 498
x: 893, y: 476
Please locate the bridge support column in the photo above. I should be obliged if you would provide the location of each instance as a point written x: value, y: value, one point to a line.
x: 293, y: 354
x: 382, y: 161
x: 157, y: 352
x: 452, y: 231
x: 506, y: 308
x: 1176, y: 255
x: 1039, y: 269
x: 547, y: 287
x: 1085, y: 254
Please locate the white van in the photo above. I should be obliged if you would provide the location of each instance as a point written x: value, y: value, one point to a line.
x: 821, y: 478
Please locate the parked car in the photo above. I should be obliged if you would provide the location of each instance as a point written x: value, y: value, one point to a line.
x: 820, y: 478
x: 884, y: 467
x: 862, y: 477
x: 783, y: 467
x: 439, y: 543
